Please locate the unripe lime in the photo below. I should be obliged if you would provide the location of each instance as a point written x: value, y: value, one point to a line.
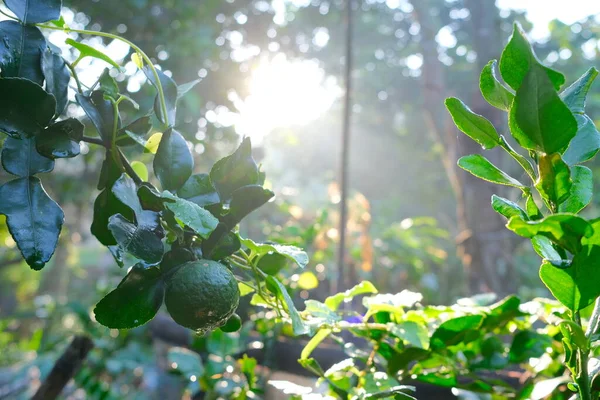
x: 202, y: 295
x: 233, y: 324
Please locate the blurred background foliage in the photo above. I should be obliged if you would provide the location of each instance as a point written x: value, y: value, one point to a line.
x: 273, y: 70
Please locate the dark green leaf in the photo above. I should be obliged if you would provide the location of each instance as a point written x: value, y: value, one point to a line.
x: 35, y: 11
x: 575, y: 287
x: 554, y: 182
x: 539, y: 120
x: 528, y: 344
x: 135, y: 132
x: 313, y: 366
x: 57, y: 78
x: 170, y: 92
x: 186, y: 87
x: 175, y: 257
x: 191, y: 215
x: 281, y: 293
x: 89, y: 51
x: 199, y: 190
x: 473, y: 125
x: 586, y: 142
x: 401, y: 361
x: 105, y: 206
x: 574, y: 96
x: 566, y: 230
x: 507, y: 208
x: 21, y: 51
x: 34, y: 219
x: 455, y: 331
x: 226, y: 246
x: 134, y: 302
x: 518, y: 58
x: 16, y: 116
x: 245, y: 200
x: 20, y: 157
x: 479, y: 166
x: 581, y: 190
x: 108, y: 85
x: 413, y: 333
x: 234, y: 171
x: 100, y: 112
x: 492, y: 90
x: 173, y: 162
x: 109, y: 173
x: 142, y: 239
x: 60, y: 140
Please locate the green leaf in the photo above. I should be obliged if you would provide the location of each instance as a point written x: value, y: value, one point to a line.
x: 170, y: 93
x: 334, y: 301
x: 20, y: 158
x: 518, y: 58
x: 585, y: 144
x: 136, y: 132
x: 528, y: 344
x: 186, y: 87
x: 544, y: 247
x: 507, y: 208
x: 173, y: 162
x: 60, y: 140
x: 100, y: 112
x: 566, y: 230
x: 142, y: 239
x: 57, y: 79
x: 89, y: 51
x: 581, y: 190
x: 575, y: 287
x: 234, y: 171
x: 16, y: 118
x: 199, y: 190
x: 533, y: 212
x: 153, y: 143
x: 109, y: 172
x: 281, y: 293
x: 314, y: 342
x: 313, y: 366
x: 174, y: 258
x: 33, y: 219
x: 191, y: 215
x: 226, y: 246
x: 574, y: 96
x: 134, y: 302
x: 538, y: 119
x: 21, y: 51
x: 492, y: 90
x: 108, y: 85
x: 293, y: 253
x: 105, y: 206
x: 455, y: 331
x: 413, y: 333
x: 473, y: 125
x: 185, y: 361
x: 554, y: 182
x: 35, y: 11
x: 479, y: 166
x: 245, y: 200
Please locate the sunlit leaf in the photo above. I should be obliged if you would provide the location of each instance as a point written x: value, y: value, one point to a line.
x: 581, y: 191
x: 554, y: 182
x: 88, y: 51
x: 492, y: 90
x: 473, y: 125
x: 479, y: 166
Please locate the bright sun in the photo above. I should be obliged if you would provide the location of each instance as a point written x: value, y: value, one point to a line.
x: 284, y: 93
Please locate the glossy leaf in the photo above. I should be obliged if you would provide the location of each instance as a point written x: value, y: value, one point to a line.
x: 88, y: 51
x: 134, y: 302
x: 539, y: 120
x: 528, y: 344
x: 60, y: 140
x: 413, y: 333
x: 199, y: 190
x: 554, y: 182
x: 518, y: 58
x: 479, y: 166
x: 135, y: 132
x: 226, y: 246
x: 140, y: 169
x: 33, y: 218
x: 173, y: 162
x: 581, y: 190
x: 507, y: 208
x: 455, y: 331
x: 108, y: 85
x: 142, y: 239
x: 21, y: 51
x: 533, y: 211
x: 109, y: 172
x: 293, y: 253
x: 191, y: 215
x: 281, y: 293
x: 245, y: 200
x: 105, y: 206
x: 57, y: 79
x: 16, y: 116
x: 234, y: 171
x: 100, y: 112
x: 492, y: 90
x: 334, y: 301
x: 586, y: 142
x: 186, y: 87
x: 170, y: 92
x: 545, y: 248
x: 473, y: 125
x: 575, y: 287
x: 20, y: 158
x: 35, y: 11
x: 566, y: 230
x: 574, y: 96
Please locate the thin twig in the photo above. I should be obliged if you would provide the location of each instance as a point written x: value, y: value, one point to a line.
x: 92, y: 140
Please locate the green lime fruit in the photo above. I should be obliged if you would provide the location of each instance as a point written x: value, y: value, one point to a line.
x: 233, y: 324
x: 272, y: 263
x: 202, y: 295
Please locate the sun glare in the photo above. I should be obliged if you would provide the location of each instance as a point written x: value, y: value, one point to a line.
x: 284, y: 93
